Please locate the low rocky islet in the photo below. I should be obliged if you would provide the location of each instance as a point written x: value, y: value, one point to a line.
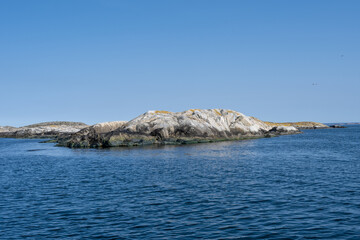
x: 163, y: 127
x: 159, y: 127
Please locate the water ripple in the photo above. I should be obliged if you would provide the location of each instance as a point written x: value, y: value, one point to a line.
x: 303, y: 186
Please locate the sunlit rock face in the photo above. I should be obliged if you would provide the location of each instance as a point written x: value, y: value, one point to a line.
x: 162, y: 127
x: 42, y: 130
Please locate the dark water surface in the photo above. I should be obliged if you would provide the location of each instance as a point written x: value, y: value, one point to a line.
x: 291, y: 187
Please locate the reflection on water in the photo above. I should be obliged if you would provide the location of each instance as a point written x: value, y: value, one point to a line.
x: 290, y: 187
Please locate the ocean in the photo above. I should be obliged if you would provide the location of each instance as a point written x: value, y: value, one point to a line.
x: 302, y: 186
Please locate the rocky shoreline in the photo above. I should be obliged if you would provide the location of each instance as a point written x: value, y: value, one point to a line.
x: 159, y: 127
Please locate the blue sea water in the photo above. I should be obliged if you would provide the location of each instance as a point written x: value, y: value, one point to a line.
x: 301, y: 186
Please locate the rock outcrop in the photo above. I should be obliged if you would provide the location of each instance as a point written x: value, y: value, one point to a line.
x: 91, y: 136
x: 336, y: 126
x: 162, y: 127
x: 42, y: 130
x: 300, y: 125
x: 282, y: 130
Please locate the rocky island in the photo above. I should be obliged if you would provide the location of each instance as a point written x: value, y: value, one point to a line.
x: 300, y: 125
x: 42, y: 130
x: 159, y: 127
x: 163, y: 127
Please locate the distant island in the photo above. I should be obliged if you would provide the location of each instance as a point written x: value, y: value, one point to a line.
x: 344, y: 123
x: 159, y: 127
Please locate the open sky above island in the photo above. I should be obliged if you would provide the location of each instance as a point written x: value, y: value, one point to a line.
x: 95, y: 61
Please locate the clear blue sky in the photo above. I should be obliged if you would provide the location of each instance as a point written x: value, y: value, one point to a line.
x: 94, y: 61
